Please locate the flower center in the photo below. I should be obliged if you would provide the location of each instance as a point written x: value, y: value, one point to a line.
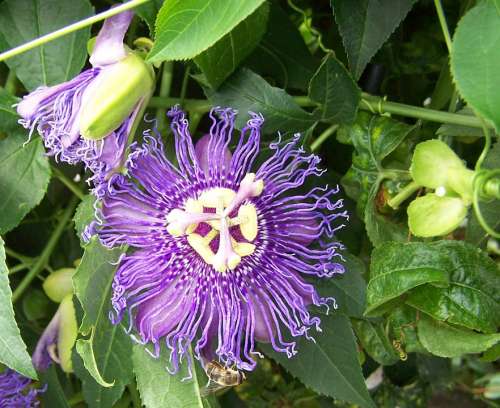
x: 219, y: 227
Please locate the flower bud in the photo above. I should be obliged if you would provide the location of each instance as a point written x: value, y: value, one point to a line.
x: 68, y: 331
x: 59, y: 284
x: 432, y: 216
x: 114, y: 94
x: 435, y: 165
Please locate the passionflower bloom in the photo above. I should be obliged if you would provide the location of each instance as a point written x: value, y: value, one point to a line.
x: 222, y: 243
x: 89, y: 118
x: 16, y: 391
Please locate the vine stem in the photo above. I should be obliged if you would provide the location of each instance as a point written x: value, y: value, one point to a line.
x: 165, y: 86
x: 315, y: 145
x: 369, y: 102
x: 403, y: 195
x: 47, y: 251
x: 68, y: 183
x: 376, y: 104
x: 442, y: 22
x: 69, y: 29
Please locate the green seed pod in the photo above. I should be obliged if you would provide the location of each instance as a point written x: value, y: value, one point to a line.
x: 58, y: 284
x: 435, y: 165
x: 68, y: 331
x: 114, y: 95
x: 433, y: 216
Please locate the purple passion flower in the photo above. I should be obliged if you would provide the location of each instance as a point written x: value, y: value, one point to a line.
x: 89, y: 118
x: 222, y: 243
x: 16, y: 391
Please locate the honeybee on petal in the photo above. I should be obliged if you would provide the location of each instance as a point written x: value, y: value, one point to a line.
x: 220, y: 377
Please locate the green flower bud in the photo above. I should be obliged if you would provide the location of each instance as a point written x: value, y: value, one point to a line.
x: 59, y: 284
x: 432, y: 216
x: 435, y: 165
x: 114, y: 95
x: 68, y: 331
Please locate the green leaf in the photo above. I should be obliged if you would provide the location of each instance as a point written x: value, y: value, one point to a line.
x: 450, y: 129
x: 333, y: 87
x: 222, y: 58
x: 365, y: 25
x: 12, y: 348
x: 472, y: 299
x: 8, y: 115
x: 374, y: 138
x: 402, y: 322
x: 248, y: 92
x: 379, y: 227
x: 282, y: 53
x: 106, y: 352
x: 444, y: 340
x: 158, y: 388
x: 24, y: 177
x: 330, y: 366
x: 492, y: 354
x: 54, y: 395
x: 95, y: 395
x: 185, y: 28
x: 348, y: 289
x: 148, y: 13
x: 397, y: 268
x: 84, y: 215
x: 53, y: 62
x: 375, y: 341
x: 475, y: 57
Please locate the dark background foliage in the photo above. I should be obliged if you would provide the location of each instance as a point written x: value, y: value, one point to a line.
x: 417, y: 319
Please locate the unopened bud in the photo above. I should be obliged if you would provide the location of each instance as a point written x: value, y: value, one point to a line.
x: 68, y: 331
x: 59, y: 284
x: 114, y: 95
x: 435, y: 165
x: 433, y: 216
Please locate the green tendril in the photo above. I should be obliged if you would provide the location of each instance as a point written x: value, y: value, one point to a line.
x: 486, y: 185
x: 307, y: 21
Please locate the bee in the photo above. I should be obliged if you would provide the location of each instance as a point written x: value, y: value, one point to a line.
x: 220, y: 377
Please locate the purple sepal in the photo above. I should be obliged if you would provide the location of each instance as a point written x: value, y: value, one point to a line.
x: 109, y: 47
x: 46, y: 345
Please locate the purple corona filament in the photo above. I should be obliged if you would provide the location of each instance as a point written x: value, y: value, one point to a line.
x: 55, y: 111
x: 16, y: 391
x: 221, y: 245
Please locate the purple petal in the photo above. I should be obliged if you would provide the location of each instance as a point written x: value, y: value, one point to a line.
x: 202, y: 150
x: 30, y: 104
x: 41, y: 357
x: 109, y: 46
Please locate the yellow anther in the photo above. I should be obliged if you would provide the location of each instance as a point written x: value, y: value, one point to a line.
x: 233, y: 261
x: 248, y: 215
x: 243, y: 248
x: 259, y: 187
x: 256, y: 186
x: 199, y: 244
x: 210, y: 198
x: 211, y: 235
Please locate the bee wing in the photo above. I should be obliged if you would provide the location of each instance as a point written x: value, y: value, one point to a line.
x: 211, y: 388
